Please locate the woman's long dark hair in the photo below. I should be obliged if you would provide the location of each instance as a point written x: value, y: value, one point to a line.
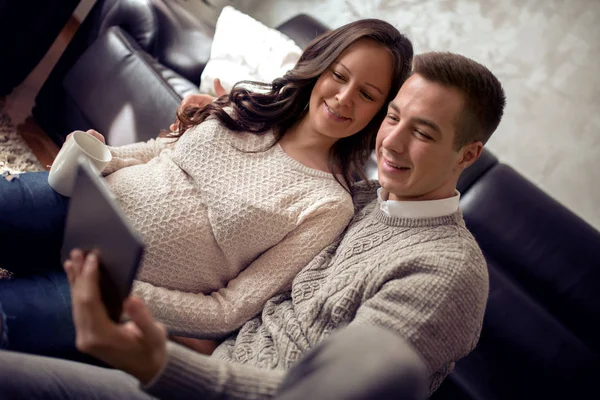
x: 283, y: 103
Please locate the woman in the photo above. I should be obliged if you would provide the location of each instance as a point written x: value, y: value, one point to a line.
x: 248, y: 190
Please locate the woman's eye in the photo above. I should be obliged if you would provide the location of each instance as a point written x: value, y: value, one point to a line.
x: 367, y: 96
x: 338, y: 76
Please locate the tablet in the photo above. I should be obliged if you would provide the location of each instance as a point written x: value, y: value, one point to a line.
x: 95, y: 221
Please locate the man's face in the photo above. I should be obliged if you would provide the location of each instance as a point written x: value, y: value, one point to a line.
x: 416, y: 158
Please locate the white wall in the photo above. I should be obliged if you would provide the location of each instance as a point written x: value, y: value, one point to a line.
x: 545, y: 52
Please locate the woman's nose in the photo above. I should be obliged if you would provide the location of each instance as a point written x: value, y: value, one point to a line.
x: 344, y: 96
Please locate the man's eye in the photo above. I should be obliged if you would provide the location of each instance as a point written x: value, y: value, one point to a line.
x: 422, y: 135
x: 392, y: 117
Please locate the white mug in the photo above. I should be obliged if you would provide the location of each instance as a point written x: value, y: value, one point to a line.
x: 64, y: 168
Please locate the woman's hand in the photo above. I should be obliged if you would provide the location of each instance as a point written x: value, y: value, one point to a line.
x: 202, y: 346
x: 198, y: 100
x: 137, y: 347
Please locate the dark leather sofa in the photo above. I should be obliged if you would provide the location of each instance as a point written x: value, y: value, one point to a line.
x: 124, y: 75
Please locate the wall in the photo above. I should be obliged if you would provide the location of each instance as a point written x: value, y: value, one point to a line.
x: 545, y: 52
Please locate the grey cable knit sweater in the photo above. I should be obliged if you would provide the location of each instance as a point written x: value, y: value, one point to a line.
x: 425, y: 279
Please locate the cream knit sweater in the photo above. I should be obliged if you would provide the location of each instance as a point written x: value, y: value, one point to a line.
x: 226, y: 226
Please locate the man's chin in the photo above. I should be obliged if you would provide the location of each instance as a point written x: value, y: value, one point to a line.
x: 390, y: 186
x: 396, y: 190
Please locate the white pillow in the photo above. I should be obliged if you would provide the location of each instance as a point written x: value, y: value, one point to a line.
x: 245, y: 49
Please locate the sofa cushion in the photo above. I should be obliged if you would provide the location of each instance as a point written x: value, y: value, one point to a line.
x: 259, y: 53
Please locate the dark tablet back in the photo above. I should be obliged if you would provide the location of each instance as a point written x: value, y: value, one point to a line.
x: 95, y: 221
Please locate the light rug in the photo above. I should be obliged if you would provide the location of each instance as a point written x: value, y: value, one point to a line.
x: 15, y: 155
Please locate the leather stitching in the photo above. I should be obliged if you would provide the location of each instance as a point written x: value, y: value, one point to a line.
x: 141, y: 55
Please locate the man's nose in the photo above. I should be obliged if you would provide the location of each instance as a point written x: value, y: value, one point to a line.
x: 396, y: 139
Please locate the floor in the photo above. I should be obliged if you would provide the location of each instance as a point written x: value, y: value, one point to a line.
x: 20, y: 101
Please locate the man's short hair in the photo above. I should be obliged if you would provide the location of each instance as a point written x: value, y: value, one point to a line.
x: 483, y: 94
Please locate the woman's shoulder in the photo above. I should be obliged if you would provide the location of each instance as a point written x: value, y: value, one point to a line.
x: 209, y: 126
x: 332, y: 198
x: 214, y: 128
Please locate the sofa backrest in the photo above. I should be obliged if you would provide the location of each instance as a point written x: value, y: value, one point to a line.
x: 128, y: 66
x: 182, y: 43
x: 541, y: 332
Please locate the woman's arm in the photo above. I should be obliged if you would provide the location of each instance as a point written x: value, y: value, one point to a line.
x: 225, y: 310
x: 135, y: 153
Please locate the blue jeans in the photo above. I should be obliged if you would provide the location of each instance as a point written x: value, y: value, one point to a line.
x: 32, y: 221
x: 36, y: 315
x: 35, y: 306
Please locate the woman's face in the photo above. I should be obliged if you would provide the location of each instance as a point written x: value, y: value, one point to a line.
x: 351, y: 91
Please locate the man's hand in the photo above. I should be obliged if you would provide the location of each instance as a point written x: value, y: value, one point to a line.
x: 137, y: 347
x: 198, y: 100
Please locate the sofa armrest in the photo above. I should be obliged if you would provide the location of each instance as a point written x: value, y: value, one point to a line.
x: 162, y: 28
x: 128, y: 96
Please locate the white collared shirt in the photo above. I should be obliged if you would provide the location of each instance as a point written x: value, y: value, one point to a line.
x: 420, y: 208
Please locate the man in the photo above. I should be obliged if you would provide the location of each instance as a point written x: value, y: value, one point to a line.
x: 406, y: 265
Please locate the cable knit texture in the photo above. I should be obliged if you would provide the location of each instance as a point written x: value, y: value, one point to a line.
x: 227, y: 224
x: 425, y: 279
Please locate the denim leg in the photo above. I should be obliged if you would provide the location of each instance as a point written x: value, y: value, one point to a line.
x: 24, y: 376
x: 3, y: 331
x: 37, y: 315
x: 32, y: 220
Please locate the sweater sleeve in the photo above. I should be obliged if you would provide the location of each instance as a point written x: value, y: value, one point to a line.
x: 438, y: 306
x: 135, y: 153
x: 190, y: 375
x: 216, y: 314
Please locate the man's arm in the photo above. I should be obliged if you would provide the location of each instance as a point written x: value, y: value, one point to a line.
x: 384, y: 367
x: 190, y: 375
x: 139, y: 346
x: 438, y: 307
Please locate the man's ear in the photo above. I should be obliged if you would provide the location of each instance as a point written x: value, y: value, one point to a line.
x: 469, y: 154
